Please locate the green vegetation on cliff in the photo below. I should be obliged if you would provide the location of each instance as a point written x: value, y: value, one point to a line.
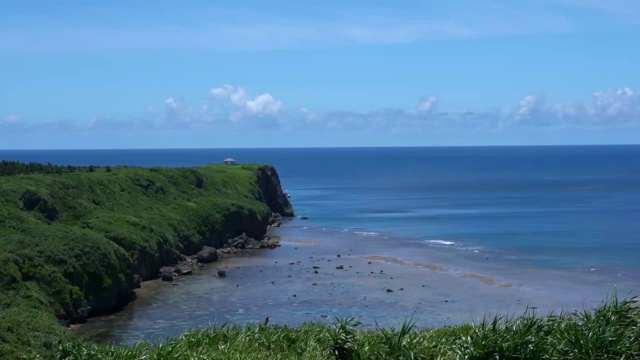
x: 73, y: 239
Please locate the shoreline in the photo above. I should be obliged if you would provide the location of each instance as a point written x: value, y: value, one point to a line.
x: 316, y: 279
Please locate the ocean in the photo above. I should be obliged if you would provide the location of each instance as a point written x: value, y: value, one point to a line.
x: 566, y: 217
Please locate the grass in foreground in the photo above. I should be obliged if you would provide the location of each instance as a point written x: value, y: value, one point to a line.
x: 609, y: 332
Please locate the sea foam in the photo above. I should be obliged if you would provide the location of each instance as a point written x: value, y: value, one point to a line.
x: 440, y: 242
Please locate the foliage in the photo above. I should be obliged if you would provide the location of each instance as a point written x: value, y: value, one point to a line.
x: 72, y: 238
x: 8, y: 168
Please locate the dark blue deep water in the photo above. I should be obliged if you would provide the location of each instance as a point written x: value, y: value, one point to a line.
x: 563, y: 207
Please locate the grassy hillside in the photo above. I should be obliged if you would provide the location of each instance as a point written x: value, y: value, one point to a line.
x: 72, y: 239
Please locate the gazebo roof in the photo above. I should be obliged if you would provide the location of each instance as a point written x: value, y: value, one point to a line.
x: 229, y: 159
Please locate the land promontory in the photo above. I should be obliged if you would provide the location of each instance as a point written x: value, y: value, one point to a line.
x: 76, y: 241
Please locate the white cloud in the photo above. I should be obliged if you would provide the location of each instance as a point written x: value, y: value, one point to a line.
x: 533, y: 110
x: 242, y: 105
x: 11, y: 121
x: 264, y: 104
x: 231, y: 107
x: 621, y: 103
x: 428, y: 105
x: 171, y: 103
x: 609, y: 109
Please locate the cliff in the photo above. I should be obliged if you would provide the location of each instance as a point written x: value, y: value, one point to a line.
x: 73, y: 241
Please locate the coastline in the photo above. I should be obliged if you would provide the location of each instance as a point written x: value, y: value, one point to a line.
x: 77, y: 241
x: 283, y: 284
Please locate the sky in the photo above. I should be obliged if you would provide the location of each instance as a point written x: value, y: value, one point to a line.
x: 249, y: 73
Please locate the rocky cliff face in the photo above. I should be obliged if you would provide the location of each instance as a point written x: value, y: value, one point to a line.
x: 236, y: 221
x: 269, y: 183
x: 147, y: 261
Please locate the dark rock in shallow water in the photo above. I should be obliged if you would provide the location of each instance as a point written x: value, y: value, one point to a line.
x: 184, y: 270
x: 304, y: 218
x: 389, y: 290
x: 166, y: 273
x: 275, y: 220
x: 207, y: 255
x: 222, y: 273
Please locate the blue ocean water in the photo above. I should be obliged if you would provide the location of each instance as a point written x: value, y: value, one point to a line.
x: 575, y: 207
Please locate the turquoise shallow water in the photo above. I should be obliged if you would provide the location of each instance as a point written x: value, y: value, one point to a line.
x: 503, y: 226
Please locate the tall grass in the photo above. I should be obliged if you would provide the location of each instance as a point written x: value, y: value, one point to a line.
x: 610, y: 331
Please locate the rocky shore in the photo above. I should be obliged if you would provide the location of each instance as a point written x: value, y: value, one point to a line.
x: 209, y: 254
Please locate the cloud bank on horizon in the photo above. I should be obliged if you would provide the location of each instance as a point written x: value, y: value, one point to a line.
x: 233, y: 107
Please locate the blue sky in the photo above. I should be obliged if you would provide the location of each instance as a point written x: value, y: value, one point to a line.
x: 147, y: 74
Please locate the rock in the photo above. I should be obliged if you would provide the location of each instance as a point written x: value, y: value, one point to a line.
x: 340, y: 267
x: 275, y: 219
x: 207, y: 255
x: 166, y: 273
x: 276, y: 224
x: 82, y: 314
x: 316, y: 267
x: 389, y: 290
x: 315, y: 271
x: 137, y: 281
x: 184, y: 270
x: 304, y: 218
x: 221, y: 273
x: 269, y: 183
x: 338, y: 255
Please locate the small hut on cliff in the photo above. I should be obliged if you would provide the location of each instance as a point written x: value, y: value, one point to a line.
x: 229, y: 161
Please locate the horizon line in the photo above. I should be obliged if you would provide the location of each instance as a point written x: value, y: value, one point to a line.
x: 327, y: 147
